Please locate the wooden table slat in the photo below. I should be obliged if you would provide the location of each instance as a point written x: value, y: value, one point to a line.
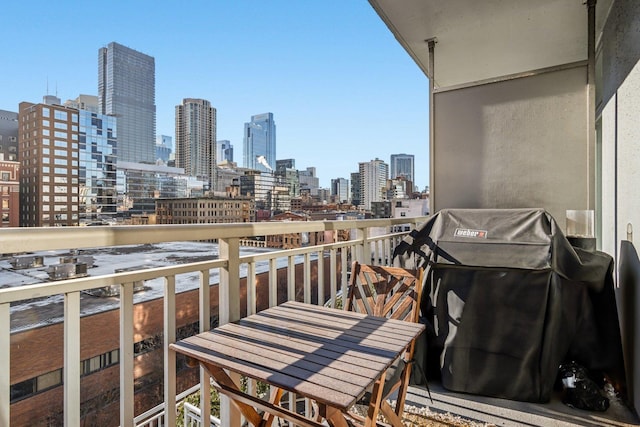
x: 315, y: 352
x: 279, y: 379
x: 261, y: 354
x: 340, y: 318
x: 348, y: 338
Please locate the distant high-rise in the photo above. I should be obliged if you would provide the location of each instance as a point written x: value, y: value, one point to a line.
x: 196, y: 139
x: 373, y: 180
x: 340, y: 189
x: 309, y: 180
x: 355, y: 188
x: 126, y: 89
x: 403, y: 165
x: 224, y: 151
x: 286, y: 168
x: 260, y: 143
x: 97, y: 193
x: 164, y: 149
x: 84, y: 102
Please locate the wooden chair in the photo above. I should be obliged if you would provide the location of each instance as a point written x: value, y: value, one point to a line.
x: 394, y: 293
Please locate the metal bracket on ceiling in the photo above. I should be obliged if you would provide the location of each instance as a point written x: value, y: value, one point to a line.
x: 431, y: 42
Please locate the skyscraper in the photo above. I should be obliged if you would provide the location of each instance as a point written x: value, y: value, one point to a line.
x: 403, y: 165
x: 224, y: 151
x: 126, y: 89
x: 196, y: 139
x: 355, y: 189
x: 260, y: 143
x: 373, y: 179
x: 97, y: 194
x: 164, y: 149
x: 340, y: 189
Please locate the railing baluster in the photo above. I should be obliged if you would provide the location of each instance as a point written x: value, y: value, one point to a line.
x: 5, y: 364
x: 205, y: 325
x: 291, y: 279
x: 333, y: 270
x: 320, y: 274
x: 344, y: 282
x: 71, y: 359
x: 251, y: 288
x: 169, y: 356
x: 127, y: 397
x: 273, y: 282
x: 307, y: 278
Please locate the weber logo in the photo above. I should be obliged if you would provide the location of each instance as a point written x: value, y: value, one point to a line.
x: 467, y: 232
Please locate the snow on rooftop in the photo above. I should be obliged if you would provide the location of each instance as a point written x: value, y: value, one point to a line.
x: 39, y: 312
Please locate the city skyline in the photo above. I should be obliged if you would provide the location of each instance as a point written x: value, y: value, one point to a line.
x: 355, y: 96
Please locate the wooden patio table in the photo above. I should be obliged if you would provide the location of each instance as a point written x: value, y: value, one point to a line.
x: 329, y: 355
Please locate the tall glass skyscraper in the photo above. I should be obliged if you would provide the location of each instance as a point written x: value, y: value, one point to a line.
x: 224, y: 151
x: 97, y: 196
x: 402, y: 165
x: 260, y: 143
x: 126, y: 89
x: 196, y: 139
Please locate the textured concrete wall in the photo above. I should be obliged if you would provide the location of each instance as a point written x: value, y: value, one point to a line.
x: 519, y: 143
x: 620, y: 159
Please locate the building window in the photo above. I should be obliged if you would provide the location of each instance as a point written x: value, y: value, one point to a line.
x: 61, y: 115
x: 45, y: 112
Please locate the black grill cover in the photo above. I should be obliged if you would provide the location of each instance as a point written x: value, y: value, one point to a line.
x: 509, y: 299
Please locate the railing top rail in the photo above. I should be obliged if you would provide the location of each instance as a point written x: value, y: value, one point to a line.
x: 47, y: 289
x: 28, y: 239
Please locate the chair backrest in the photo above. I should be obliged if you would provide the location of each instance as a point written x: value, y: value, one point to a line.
x: 390, y: 292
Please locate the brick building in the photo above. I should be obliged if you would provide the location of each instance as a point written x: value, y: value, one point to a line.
x: 205, y: 210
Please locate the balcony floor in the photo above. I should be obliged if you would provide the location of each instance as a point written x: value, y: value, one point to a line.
x: 502, y: 412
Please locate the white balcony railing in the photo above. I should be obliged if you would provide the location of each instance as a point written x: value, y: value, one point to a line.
x: 372, y: 241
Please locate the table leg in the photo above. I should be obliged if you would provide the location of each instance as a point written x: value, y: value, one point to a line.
x: 374, y: 403
x: 391, y: 415
x: 334, y: 417
x: 276, y: 395
x: 221, y: 377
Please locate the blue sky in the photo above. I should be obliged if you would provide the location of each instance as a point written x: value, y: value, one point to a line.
x: 341, y: 88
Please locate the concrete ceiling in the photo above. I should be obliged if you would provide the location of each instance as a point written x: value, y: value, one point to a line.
x: 485, y: 39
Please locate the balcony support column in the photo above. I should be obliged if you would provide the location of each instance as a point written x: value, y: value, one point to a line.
x: 363, y: 254
x: 591, y: 95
